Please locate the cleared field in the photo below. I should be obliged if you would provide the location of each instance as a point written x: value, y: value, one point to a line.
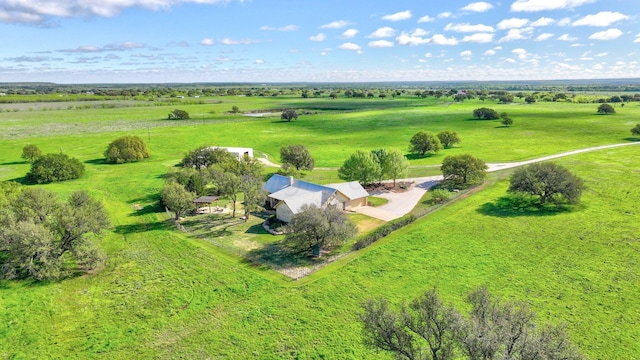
x: 164, y: 294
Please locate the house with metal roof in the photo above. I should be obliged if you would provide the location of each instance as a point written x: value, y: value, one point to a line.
x: 288, y: 195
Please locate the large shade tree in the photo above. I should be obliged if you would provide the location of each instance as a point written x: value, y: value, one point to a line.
x: 314, y: 229
x: 427, y: 328
x: 126, y: 149
x: 177, y: 199
x: 424, y: 142
x: 606, y: 109
x: 40, y: 237
x: 361, y: 166
x: 31, y: 152
x: 463, y: 169
x: 297, y: 156
x: 55, y: 167
x: 550, y: 182
x: 448, y: 138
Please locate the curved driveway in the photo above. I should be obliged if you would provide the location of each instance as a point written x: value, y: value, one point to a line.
x: 403, y: 202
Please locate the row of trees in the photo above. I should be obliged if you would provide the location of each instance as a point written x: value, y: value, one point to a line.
x: 374, y: 166
x: 425, y: 142
x: 43, y: 238
x: 427, y: 328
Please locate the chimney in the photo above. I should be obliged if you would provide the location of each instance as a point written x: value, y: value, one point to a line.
x: 290, y: 180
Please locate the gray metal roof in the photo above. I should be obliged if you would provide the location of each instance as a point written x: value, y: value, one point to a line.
x: 352, y: 190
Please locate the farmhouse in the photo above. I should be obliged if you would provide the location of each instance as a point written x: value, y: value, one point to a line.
x: 288, y: 195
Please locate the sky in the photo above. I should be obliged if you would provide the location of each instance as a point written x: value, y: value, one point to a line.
x: 163, y: 41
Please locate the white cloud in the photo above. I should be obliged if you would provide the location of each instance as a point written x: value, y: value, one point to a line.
x: 564, y: 21
x: 543, y: 37
x: 604, y: 53
x: 478, y: 7
x: 207, y: 42
x: 637, y: 40
x: 383, y: 32
x: 542, y: 5
x: 425, y: 18
x: 480, y: 38
x: 513, y: 23
x: 259, y: 62
x: 510, y: 61
x: 520, y: 52
x: 350, y: 46
x: 514, y: 34
x: 319, y: 37
x: 543, y: 21
x: 399, y: 16
x: 410, y: 39
x: 603, y: 18
x: 439, y: 39
x: 464, y: 28
x: 39, y: 11
x: 348, y: 34
x: 419, y: 32
x: 428, y: 55
x: 445, y: 15
x: 610, y: 34
x: 381, y: 44
x: 490, y: 52
x: 567, y: 37
x: 228, y: 41
x: 466, y: 53
x: 282, y: 28
x: 336, y: 25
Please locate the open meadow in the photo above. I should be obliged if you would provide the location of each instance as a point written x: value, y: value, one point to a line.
x: 170, y: 294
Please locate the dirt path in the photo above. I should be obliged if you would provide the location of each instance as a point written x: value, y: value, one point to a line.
x: 402, y: 203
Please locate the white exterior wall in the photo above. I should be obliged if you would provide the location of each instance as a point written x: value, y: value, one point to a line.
x: 283, y: 213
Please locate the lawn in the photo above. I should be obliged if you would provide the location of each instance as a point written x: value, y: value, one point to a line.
x: 170, y: 294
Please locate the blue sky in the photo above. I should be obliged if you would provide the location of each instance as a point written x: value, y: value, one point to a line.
x: 134, y: 41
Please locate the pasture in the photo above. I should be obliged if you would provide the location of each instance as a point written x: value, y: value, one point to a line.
x: 169, y: 294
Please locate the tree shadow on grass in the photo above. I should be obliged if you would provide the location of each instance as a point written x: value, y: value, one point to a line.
x: 418, y: 156
x: 632, y: 138
x: 275, y: 255
x: 141, y: 227
x: 517, y: 205
x: 257, y: 229
x: 100, y: 161
x: 14, y: 163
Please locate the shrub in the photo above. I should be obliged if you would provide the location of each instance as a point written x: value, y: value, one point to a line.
x: 485, y: 114
x: 31, y: 153
x: 606, y: 109
x: 55, y: 167
x: 178, y: 115
x: 126, y: 149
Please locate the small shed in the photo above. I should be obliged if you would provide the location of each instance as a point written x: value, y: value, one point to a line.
x: 205, y: 200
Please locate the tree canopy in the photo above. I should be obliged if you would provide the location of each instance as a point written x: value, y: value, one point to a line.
x: 313, y: 229
x: 177, y: 199
x: 297, y: 156
x: 427, y: 328
x: 549, y: 181
x: 178, y: 114
x: 39, y: 234
x: 448, y: 138
x: 289, y: 114
x: 31, y: 153
x: 393, y: 164
x: 126, y: 149
x: 424, y: 142
x: 55, y: 167
x: 606, y: 109
x: 360, y: 166
x: 636, y: 130
x: 463, y: 169
x: 485, y: 114
x: 206, y: 156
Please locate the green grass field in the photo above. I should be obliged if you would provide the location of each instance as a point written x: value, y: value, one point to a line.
x: 169, y: 294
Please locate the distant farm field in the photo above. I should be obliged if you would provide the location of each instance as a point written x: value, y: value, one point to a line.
x: 169, y: 294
